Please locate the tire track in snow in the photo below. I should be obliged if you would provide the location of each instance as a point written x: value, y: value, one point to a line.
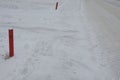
x: 43, y: 29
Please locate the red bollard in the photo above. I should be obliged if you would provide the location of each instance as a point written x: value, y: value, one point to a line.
x: 56, y: 6
x: 11, y: 43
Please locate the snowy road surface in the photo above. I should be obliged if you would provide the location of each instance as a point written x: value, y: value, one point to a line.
x: 79, y: 41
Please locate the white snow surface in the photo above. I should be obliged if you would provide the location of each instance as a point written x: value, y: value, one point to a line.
x: 79, y: 41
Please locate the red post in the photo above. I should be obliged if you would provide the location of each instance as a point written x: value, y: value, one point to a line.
x: 11, y: 43
x: 56, y: 6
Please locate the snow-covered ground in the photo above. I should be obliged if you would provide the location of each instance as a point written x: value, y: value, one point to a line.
x: 79, y: 41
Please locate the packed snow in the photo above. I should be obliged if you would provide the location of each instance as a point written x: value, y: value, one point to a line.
x: 78, y: 41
